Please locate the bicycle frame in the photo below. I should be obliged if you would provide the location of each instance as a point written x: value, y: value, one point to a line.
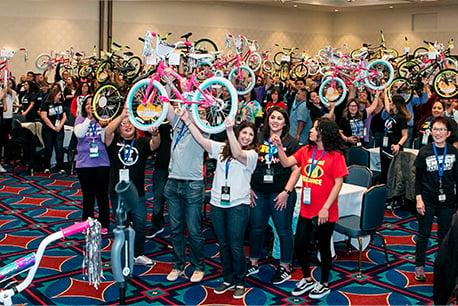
x: 6, y: 56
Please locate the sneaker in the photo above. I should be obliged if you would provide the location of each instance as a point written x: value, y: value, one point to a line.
x: 151, y: 233
x: 174, y: 275
x: 239, y: 292
x: 197, y: 276
x: 2, y: 170
x: 47, y: 171
x: 303, y: 287
x: 223, y: 287
x: 420, y: 274
x: 104, y: 231
x: 319, y: 291
x: 251, y: 269
x: 143, y: 261
x: 62, y: 171
x: 280, y: 276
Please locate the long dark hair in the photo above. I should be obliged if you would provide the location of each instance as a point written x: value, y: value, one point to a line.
x: 52, y: 94
x: 400, y: 103
x: 346, y: 112
x: 330, y: 135
x: 226, y: 152
x: 266, y: 128
x: 279, y: 95
x: 83, y: 105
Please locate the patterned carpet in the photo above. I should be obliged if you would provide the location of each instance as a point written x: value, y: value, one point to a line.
x: 34, y: 207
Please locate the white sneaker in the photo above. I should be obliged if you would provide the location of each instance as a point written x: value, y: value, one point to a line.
x: 2, y: 170
x: 319, y: 291
x: 144, y: 261
x: 174, y: 275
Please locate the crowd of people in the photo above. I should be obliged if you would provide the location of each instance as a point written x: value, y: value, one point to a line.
x: 282, y: 131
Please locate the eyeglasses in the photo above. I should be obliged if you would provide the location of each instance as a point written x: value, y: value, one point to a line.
x: 439, y: 129
x: 126, y: 123
x: 352, y: 105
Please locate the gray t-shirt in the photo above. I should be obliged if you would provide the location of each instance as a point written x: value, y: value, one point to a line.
x: 187, y: 156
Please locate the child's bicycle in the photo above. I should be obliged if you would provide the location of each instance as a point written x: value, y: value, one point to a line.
x: 216, y: 96
x: 5, y: 56
x: 91, y: 264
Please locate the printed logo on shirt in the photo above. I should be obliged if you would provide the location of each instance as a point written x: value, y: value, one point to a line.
x: 55, y: 110
x: 318, y: 172
x: 125, y: 149
x: 431, y: 162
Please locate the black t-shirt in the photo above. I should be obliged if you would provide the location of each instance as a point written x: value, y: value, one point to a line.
x: 394, y: 125
x: 53, y: 111
x: 26, y: 100
x: 135, y: 161
x: 163, y: 152
x: 316, y: 112
x: 280, y: 175
x: 427, y: 175
x: 353, y: 126
x: 40, y: 99
x: 426, y: 128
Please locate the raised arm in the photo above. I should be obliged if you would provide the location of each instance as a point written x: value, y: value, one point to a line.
x: 236, y: 149
x: 205, y: 143
x: 286, y: 161
x: 113, y: 125
x: 373, y: 106
x: 387, y: 100
x: 155, y: 140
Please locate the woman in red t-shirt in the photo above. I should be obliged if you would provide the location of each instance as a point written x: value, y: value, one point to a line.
x: 275, y: 98
x: 323, y: 168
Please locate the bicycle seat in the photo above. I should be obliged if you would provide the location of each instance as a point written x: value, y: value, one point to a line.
x: 186, y: 36
x: 125, y: 69
x: 128, y: 53
x: 78, y: 54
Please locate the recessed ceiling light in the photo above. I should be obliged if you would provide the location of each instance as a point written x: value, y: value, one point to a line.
x: 391, y: 6
x: 336, y: 10
x: 295, y: 5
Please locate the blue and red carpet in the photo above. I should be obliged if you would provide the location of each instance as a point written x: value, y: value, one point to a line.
x: 34, y: 207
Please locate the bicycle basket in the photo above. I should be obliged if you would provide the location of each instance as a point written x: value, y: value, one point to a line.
x: 164, y: 50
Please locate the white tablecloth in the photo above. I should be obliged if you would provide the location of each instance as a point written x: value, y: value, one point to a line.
x: 375, y: 157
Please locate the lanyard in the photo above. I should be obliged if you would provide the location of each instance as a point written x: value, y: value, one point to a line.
x: 55, y: 107
x: 93, y: 128
x: 440, y: 166
x: 127, y: 152
x: 312, y: 165
x: 228, y: 163
x: 271, y: 152
x: 183, y: 131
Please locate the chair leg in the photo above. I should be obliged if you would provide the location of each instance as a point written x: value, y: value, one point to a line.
x: 360, y: 258
x: 384, y: 247
x: 348, y: 245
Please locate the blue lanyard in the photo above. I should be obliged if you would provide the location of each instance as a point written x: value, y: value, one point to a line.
x: 440, y: 166
x: 127, y: 152
x: 312, y: 165
x: 183, y: 131
x: 93, y: 128
x: 228, y: 163
x: 55, y: 109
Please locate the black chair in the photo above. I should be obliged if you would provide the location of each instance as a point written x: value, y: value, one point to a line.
x: 372, y: 212
x: 359, y: 175
x: 358, y: 156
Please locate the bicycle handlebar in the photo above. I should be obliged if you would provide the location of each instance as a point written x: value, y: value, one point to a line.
x: 17, y: 266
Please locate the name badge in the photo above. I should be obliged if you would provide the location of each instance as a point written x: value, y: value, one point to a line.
x: 358, y: 144
x: 93, y: 150
x: 269, y: 176
x: 306, y: 195
x: 424, y: 139
x: 57, y: 123
x: 385, y: 141
x: 225, y: 195
x: 124, y: 175
x: 442, y: 197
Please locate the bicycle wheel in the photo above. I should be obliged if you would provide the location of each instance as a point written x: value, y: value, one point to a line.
x: 151, y: 113
x: 300, y: 71
x: 408, y: 69
x: 254, y: 61
x: 203, y: 71
x: 332, y: 89
x: 420, y: 51
x: 354, y: 53
x: 217, y: 99
x: 402, y: 87
x: 379, y: 74
x: 43, y: 61
x: 283, y: 72
x: 268, y: 66
x: 102, y: 73
x: 450, y: 63
x: 136, y: 64
x: 278, y: 58
x: 84, y: 71
x: 107, y: 103
x: 205, y: 45
x: 244, y: 79
x: 445, y: 83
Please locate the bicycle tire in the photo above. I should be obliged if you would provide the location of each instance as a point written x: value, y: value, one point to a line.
x: 401, y: 86
x: 355, y: 52
x: 268, y: 66
x: 254, y: 61
x: 408, y: 68
x: 102, y: 74
x: 42, y: 61
x: 379, y: 74
x: 85, y: 71
x: 155, y: 112
x: 300, y: 71
x: 283, y: 72
x: 107, y: 103
x: 205, y: 45
x: 445, y: 83
x: 135, y: 62
x: 219, y: 110
x: 244, y: 79
x: 450, y: 63
x: 327, y: 91
x: 277, y: 58
x: 417, y: 52
x: 203, y: 71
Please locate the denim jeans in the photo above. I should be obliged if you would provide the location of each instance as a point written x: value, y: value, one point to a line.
x: 444, y: 213
x: 184, y: 203
x: 160, y: 176
x: 229, y: 225
x: 137, y: 217
x: 259, y: 218
x: 53, y: 140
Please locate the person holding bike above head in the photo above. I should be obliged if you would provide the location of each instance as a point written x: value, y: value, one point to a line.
x: 435, y: 183
x: 230, y: 196
x: 323, y: 168
x: 128, y: 154
x: 273, y: 194
x: 317, y: 109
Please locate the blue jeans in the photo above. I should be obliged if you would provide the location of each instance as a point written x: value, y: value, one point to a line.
x: 184, y: 203
x: 137, y: 217
x: 259, y: 218
x: 160, y: 176
x: 229, y: 225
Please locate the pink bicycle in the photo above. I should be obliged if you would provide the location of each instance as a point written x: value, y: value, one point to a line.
x: 5, y: 56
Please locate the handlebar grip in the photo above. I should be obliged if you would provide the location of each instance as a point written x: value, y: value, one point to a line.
x: 116, y: 44
x: 75, y: 228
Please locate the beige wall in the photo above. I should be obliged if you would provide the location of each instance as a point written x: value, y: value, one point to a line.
x: 41, y: 26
